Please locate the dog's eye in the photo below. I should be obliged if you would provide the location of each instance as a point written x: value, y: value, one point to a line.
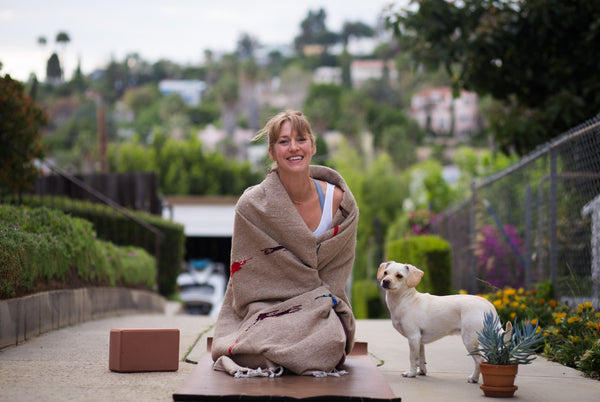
x: 385, y: 273
x: 399, y: 276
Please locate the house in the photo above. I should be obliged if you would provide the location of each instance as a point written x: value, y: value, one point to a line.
x: 437, y: 111
x: 189, y: 90
x: 328, y: 75
x: 363, y: 70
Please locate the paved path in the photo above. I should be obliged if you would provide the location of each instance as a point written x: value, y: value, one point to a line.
x: 72, y: 364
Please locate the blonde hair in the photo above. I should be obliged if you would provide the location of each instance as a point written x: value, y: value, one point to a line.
x: 272, y: 129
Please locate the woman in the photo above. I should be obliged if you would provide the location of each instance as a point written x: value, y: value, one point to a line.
x: 285, y: 307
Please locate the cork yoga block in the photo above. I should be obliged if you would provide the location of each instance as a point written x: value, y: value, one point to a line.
x: 136, y: 350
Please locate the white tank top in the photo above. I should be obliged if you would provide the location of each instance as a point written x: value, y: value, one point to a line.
x: 326, y: 214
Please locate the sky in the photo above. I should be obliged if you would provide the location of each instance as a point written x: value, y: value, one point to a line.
x: 177, y: 30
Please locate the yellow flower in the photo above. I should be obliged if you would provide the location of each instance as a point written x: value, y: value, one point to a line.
x: 573, y: 319
x: 574, y: 339
x: 510, y: 291
x: 537, y: 331
x: 521, y: 291
x: 534, y: 321
x: 523, y: 307
x: 462, y: 292
x: 558, y: 317
x: 498, y: 303
x: 585, y: 306
x: 593, y: 325
x: 513, y: 315
x: 515, y: 304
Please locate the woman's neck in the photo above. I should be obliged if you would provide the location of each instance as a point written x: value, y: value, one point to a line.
x: 299, y: 187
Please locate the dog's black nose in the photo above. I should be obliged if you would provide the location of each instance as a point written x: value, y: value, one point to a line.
x: 385, y: 284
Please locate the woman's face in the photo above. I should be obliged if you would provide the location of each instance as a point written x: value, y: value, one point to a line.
x: 292, y: 151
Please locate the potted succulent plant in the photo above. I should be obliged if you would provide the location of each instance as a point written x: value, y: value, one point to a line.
x: 502, y: 350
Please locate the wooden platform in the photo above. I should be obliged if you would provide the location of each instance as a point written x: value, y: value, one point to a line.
x: 364, y: 382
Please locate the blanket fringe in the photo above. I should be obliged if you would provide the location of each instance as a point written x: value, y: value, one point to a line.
x: 259, y: 372
x: 334, y: 373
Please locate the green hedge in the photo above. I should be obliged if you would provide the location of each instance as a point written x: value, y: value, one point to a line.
x: 113, y: 226
x: 432, y: 254
x: 366, y: 300
x: 42, y: 245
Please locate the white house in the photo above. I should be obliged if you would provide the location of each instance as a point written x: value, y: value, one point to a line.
x: 190, y: 90
x: 435, y: 109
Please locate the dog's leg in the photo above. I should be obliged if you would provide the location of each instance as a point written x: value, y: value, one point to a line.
x: 471, y: 343
x: 422, y: 362
x: 414, y: 343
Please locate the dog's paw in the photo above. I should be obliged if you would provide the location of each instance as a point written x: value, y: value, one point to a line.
x: 410, y: 374
x: 472, y: 380
x: 422, y: 371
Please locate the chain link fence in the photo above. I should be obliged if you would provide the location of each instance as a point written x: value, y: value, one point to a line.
x: 534, y: 222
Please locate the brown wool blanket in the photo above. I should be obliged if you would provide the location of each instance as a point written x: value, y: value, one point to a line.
x: 285, y: 306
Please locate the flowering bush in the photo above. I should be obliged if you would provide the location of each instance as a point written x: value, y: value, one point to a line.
x: 420, y: 221
x: 574, y: 339
x: 519, y: 304
x: 572, y: 334
x: 497, y: 262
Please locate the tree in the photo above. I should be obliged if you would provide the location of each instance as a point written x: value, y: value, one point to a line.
x: 53, y: 70
x: 356, y: 29
x: 315, y: 32
x: 532, y: 56
x: 323, y: 106
x: 63, y: 39
x: 246, y: 46
x: 20, y: 123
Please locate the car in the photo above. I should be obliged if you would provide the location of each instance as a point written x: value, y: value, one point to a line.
x: 202, y: 286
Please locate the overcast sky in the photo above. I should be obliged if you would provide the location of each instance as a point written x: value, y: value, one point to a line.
x: 178, y: 30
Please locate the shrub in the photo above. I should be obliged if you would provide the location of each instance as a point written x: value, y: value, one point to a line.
x: 497, y: 262
x: 572, y: 334
x: 432, y: 254
x: 573, y: 339
x: 115, y: 227
x: 366, y: 300
x: 520, y: 304
x: 40, y: 245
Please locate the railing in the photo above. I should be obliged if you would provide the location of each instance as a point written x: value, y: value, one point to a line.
x: 536, y: 221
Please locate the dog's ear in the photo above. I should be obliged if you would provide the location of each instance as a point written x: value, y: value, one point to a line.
x: 382, y: 268
x: 414, y: 276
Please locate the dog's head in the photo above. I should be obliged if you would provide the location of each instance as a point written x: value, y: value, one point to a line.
x: 391, y: 275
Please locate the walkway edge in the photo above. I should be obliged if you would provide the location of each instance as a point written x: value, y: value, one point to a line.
x: 26, y: 317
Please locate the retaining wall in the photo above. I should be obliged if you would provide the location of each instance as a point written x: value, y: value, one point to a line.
x: 26, y: 317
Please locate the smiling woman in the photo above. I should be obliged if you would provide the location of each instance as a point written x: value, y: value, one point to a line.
x: 293, y: 248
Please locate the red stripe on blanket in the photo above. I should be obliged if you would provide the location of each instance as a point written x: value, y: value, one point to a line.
x: 237, y: 265
x: 336, y: 229
x: 231, y: 347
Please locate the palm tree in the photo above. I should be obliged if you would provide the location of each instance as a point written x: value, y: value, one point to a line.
x: 42, y: 41
x: 62, y: 38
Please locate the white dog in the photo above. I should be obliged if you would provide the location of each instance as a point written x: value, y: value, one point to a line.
x: 423, y: 318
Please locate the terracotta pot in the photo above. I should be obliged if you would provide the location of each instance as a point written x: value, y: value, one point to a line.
x: 498, y: 380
